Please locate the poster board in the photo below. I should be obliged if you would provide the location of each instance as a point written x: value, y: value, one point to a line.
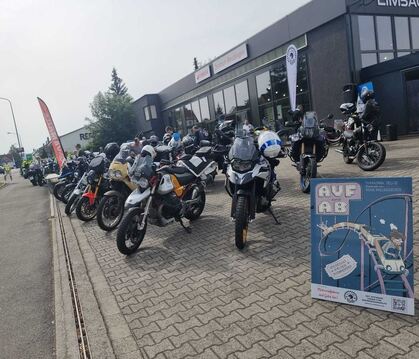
x: 362, y: 242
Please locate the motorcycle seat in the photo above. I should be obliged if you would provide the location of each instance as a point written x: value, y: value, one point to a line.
x: 203, y: 151
x: 185, y: 178
x: 175, y: 170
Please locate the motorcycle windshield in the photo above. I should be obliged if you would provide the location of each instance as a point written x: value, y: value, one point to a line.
x: 142, y: 167
x: 243, y: 149
x: 123, y: 154
x: 310, y: 120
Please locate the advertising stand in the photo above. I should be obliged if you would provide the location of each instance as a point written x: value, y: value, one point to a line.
x: 362, y: 242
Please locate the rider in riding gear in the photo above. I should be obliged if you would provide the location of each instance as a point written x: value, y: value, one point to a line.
x: 371, y: 114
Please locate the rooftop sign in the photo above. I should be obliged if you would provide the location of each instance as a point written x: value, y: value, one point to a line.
x: 231, y: 58
x: 398, y: 3
x: 202, y: 74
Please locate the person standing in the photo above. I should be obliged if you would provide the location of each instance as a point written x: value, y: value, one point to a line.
x: 7, y: 172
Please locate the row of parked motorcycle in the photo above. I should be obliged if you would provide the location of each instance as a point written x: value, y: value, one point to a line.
x: 129, y: 187
x: 36, y: 171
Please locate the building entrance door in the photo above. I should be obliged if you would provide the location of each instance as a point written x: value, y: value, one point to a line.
x: 412, y: 97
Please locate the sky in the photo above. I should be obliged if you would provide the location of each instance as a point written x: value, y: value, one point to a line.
x: 64, y: 51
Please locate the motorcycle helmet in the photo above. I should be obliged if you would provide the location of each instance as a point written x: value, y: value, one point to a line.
x: 269, y: 144
x: 148, y: 150
x: 154, y: 140
x: 175, y: 141
x: 111, y: 150
x: 166, y: 138
x: 367, y: 95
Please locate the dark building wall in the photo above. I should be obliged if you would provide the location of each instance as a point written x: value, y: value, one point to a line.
x: 329, y: 69
x: 389, y: 85
x: 154, y: 125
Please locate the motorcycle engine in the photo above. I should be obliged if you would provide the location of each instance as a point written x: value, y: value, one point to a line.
x: 172, y: 206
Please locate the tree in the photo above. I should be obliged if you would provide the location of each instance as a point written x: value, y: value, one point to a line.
x: 114, y: 119
x: 14, y: 153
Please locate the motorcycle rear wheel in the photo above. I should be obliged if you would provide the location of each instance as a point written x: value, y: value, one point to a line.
x: 309, y: 173
x: 129, y: 237
x: 109, y: 212
x: 85, y: 211
x: 373, y: 159
x: 196, y: 210
x: 242, y: 222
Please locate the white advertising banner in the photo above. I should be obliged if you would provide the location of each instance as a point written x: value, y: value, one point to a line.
x: 231, y: 58
x: 202, y: 74
x: 292, y: 66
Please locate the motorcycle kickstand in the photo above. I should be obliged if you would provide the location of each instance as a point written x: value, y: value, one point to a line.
x: 274, y: 217
x: 187, y: 228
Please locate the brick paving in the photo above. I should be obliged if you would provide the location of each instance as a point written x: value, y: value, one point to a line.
x: 190, y: 296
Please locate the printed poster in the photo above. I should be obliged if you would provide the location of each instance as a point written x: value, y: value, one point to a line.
x: 362, y: 242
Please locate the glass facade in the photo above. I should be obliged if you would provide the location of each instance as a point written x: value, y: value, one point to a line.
x: 150, y: 112
x: 382, y: 38
x: 273, y: 93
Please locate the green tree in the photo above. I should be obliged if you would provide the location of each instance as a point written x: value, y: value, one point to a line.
x: 113, y: 117
x: 13, y: 152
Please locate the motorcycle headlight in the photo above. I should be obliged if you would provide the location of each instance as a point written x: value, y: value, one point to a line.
x: 142, y: 182
x: 241, y: 166
x: 389, y: 268
x: 115, y: 174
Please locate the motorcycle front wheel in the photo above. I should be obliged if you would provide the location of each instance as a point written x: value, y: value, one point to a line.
x: 68, y: 190
x: 309, y: 172
x: 58, y: 190
x: 71, y: 205
x: 371, y: 156
x: 195, y: 211
x: 110, y: 212
x: 129, y: 237
x: 85, y: 211
x: 242, y: 221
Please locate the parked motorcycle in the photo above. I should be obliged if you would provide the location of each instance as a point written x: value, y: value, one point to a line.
x: 251, y: 179
x: 308, y: 149
x: 359, y: 141
x: 111, y: 207
x: 97, y: 185
x: 35, y: 175
x: 65, y: 178
x: 163, y: 195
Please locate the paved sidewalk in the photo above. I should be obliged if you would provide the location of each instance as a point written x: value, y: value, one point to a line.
x: 198, y: 296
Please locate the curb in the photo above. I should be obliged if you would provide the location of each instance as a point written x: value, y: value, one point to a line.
x: 106, y: 327
x: 66, y: 343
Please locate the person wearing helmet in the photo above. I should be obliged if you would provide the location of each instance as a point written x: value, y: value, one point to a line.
x: 148, y: 150
x: 371, y: 114
x: 153, y: 141
x: 168, y: 135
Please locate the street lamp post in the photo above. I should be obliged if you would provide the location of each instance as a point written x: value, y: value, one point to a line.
x: 14, y: 120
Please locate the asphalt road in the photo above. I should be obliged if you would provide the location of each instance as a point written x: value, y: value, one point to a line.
x: 27, y: 328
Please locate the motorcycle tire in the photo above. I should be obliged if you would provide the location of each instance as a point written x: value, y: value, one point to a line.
x: 103, y: 213
x: 34, y: 183
x: 310, y: 172
x: 375, y: 162
x: 71, y: 205
x: 58, y: 190
x: 40, y: 182
x: 242, y: 222
x: 195, y: 212
x: 128, y: 231
x: 65, y: 195
x: 84, y: 211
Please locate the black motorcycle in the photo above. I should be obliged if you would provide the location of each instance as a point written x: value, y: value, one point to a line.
x: 308, y: 149
x: 35, y: 175
x: 359, y: 141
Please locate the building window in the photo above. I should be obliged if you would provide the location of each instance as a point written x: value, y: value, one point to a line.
x: 384, y: 33
x: 150, y: 113
x: 242, y: 95
x: 401, y: 25
x: 229, y: 100
x: 366, y: 33
x: 263, y: 84
x: 219, y: 104
x: 369, y: 59
x: 205, y: 114
x: 414, y: 24
x: 179, y: 120
x: 196, y: 112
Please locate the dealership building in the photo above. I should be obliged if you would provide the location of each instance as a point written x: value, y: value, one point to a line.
x: 341, y: 43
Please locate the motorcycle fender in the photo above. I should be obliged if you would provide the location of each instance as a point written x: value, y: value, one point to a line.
x: 136, y: 197
x: 114, y: 193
